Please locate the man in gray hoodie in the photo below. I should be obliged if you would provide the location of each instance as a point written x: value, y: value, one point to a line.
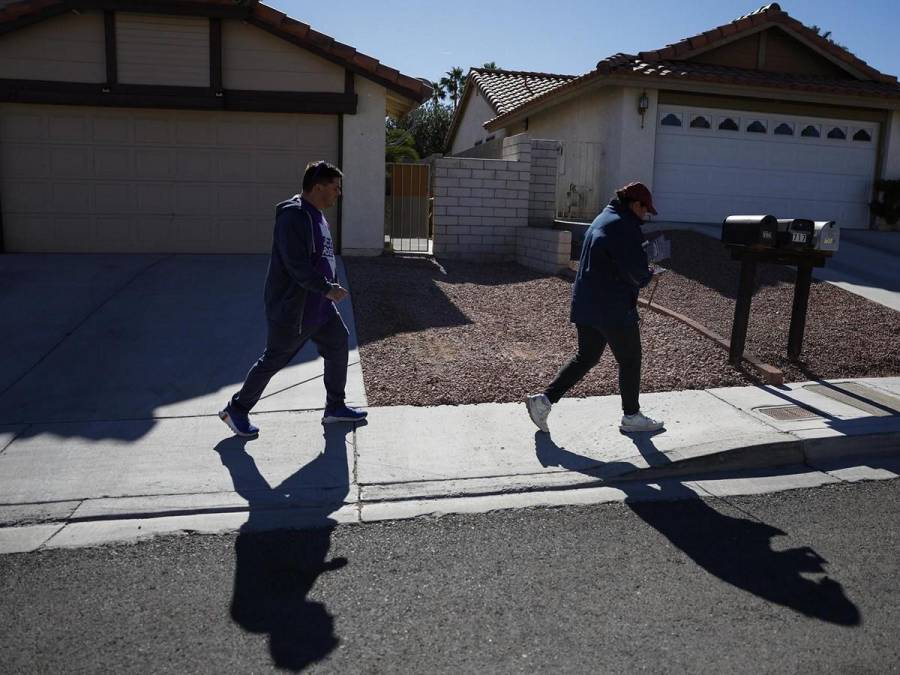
x: 300, y: 296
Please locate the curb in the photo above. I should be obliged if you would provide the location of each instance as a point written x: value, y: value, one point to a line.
x: 795, y: 452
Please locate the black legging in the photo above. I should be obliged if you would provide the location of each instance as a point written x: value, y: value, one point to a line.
x: 625, y: 342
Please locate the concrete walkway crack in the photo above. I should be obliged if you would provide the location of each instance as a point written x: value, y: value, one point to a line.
x: 83, y: 321
x: 355, y: 475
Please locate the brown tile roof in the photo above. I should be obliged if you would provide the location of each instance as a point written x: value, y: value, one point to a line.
x: 670, y: 64
x: 261, y: 15
x: 506, y: 90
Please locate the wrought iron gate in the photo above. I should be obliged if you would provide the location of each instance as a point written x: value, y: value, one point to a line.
x: 407, y: 208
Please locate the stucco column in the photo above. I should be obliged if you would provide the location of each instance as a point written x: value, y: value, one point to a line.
x: 362, y: 230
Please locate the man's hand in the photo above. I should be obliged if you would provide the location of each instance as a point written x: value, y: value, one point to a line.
x: 337, y: 293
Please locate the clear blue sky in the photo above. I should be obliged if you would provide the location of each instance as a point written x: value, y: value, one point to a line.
x: 426, y: 38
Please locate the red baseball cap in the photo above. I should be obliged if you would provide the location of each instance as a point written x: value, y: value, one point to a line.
x: 638, y: 192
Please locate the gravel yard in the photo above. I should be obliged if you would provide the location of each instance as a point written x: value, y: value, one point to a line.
x: 447, y: 332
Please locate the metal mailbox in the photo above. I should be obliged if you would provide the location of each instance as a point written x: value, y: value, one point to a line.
x: 796, y: 242
x: 795, y: 234
x: 750, y: 231
x: 826, y: 236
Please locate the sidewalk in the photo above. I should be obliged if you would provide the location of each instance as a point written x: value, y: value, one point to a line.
x: 191, y: 474
x: 109, y: 432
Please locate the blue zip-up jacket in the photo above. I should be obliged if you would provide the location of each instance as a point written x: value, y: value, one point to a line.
x: 612, y: 269
x: 292, y: 267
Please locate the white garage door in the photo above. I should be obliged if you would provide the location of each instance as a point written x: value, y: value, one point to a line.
x: 79, y: 179
x: 714, y: 163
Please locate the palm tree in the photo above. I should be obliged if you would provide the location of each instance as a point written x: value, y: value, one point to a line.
x: 490, y: 65
x: 438, y: 92
x: 453, y: 84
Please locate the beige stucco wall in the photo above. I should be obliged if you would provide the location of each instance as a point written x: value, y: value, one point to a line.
x: 69, y: 48
x: 254, y: 59
x: 163, y: 50
x: 477, y: 112
x: 632, y: 148
x: 363, y: 206
x: 581, y: 125
x: 892, y: 148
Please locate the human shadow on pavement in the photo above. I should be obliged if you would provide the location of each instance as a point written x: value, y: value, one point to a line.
x: 276, y: 570
x: 736, y: 550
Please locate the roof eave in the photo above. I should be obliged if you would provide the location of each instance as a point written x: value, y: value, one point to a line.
x: 789, y: 92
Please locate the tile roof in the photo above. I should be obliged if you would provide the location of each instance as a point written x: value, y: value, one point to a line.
x: 278, y: 23
x: 670, y: 64
x: 508, y: 89
x: 505, y: 90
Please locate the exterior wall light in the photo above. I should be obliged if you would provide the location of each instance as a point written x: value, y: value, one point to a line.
x: 643, y: 104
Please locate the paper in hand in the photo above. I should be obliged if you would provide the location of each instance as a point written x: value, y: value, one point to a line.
x: 659, y: 248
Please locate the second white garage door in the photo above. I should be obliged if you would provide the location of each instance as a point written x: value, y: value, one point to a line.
x: 79, y: 179
x: 713, y: 163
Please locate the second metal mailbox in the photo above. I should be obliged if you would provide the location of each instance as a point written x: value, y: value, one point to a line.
x: 795, y: 233
x: 750, y: 231
x: 827, y: 236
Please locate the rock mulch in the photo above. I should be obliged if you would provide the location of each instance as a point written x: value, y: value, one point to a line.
x: 447, y: 332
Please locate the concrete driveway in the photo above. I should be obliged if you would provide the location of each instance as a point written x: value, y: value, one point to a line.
x: 137, y: 338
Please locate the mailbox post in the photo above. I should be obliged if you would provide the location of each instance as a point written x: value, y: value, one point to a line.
x: 799, y: 243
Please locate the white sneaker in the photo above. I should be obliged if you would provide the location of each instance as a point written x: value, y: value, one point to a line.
x: 538, y: 408
x: 639, y: 422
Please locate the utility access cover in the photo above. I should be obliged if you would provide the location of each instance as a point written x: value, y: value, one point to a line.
x: 788, y: 413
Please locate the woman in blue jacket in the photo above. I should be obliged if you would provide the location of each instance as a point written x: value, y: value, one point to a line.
x: 612, y: 269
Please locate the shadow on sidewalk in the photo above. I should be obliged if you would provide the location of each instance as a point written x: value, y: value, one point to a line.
x: 736, y: 550
x: 275, y: 570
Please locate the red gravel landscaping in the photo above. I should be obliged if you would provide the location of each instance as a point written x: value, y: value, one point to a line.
x: 446, y: 332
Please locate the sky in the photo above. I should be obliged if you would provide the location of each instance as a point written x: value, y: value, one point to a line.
x: 426, y: 38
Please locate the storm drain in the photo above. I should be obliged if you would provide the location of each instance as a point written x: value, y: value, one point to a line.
x: 788, y: 413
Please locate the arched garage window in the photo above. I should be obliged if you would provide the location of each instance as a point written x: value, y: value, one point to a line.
x: 700, y: 122
x: 728, y: 124
x: 837, y: 134
x: 756, y: 127
x: 671, y: 120
x: 810, y: 131
x: 862, y: 135
x: 784, y: 129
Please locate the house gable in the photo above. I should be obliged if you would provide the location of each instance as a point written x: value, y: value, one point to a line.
x: 772, y: 50
x: 68, y: 47
x: 468, y: 128
x: 154, y: 53
x: 162, y: 50
x: 784, y: 54
x: 255, y: 59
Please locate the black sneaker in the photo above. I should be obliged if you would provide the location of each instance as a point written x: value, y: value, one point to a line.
x: 341, y: 413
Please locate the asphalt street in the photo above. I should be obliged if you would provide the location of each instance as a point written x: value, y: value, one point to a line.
x: 800, y: 581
